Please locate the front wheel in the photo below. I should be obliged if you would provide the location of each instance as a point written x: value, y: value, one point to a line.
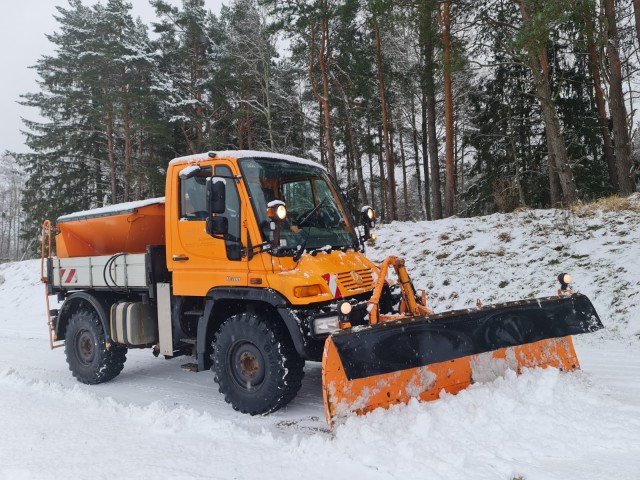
x: 255, y: 364
x: 85, y: 347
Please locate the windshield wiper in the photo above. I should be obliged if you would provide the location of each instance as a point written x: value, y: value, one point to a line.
x: 301, y: 247
x: 298, y: 253
x: 313, y: 210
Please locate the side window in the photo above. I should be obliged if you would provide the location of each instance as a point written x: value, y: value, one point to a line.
x: 232, y: 213
x: 193, y: 198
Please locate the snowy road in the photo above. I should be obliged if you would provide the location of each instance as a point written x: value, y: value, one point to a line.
x: 156, y: 419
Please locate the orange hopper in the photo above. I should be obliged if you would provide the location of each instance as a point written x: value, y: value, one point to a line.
x: 125, y: 227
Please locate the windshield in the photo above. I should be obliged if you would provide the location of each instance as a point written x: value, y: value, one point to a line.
x: 316, y: 217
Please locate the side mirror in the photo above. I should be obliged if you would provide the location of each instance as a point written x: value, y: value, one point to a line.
x: 367, y: 220
x: 216, y: 195
x: 216, y: 204
x: 217, y: 226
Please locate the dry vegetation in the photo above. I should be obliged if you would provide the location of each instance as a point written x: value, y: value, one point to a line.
x: 609, y: 204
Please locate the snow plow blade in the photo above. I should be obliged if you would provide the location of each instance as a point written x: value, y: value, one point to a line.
x: 365, y: 368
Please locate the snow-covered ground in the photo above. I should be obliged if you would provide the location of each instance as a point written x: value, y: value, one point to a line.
x: 156, y: 419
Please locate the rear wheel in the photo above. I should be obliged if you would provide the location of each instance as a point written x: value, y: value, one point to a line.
x: 85, y: 347
x: 255, y: 364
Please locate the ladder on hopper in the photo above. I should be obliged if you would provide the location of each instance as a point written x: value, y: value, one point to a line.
x: 52, y: 315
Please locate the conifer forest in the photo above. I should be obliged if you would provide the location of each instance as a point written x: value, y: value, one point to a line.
x: 423, y: 109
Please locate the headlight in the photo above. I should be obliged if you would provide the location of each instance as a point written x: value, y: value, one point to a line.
x: 325, y: 325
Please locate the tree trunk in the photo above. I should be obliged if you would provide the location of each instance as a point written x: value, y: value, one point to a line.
x: 405, y: 187
x: 554, y: 132
x: 372, y: 186
x: 357, y: 159
x: 636, y: 11
x: 241, y: 129
x: 267, y: 100
x: 450, y: 177
x: 323, y: 150
x: 416, y: 155
x: 112, y: 157
x: 391, y: 176
x: 600, y: 104
x: 199, y: 147
x: 430, y: 137
x: 622, y: 142
x: 128, y: 150
x: 555, y: 142
x: 348, y: 144
x: 383, y: 182
x: 356, y: 155
x: 554, y: 185
x: 249, y: 131
x: 324, y: 98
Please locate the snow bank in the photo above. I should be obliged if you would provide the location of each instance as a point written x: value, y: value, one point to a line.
x: 540, y: 425
x: 506, y: 257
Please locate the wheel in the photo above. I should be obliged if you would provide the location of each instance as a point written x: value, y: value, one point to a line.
x: 85, y: 347
x: 255, y: 364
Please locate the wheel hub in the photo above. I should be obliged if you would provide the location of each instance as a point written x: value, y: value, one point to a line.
x: 85, y: 347
x: 247, y: 365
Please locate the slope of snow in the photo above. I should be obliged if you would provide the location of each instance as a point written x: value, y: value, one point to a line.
x: 504, y: 257
x: 156, y: 419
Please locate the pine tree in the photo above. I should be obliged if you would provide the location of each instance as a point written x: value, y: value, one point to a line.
x: 186, y: 69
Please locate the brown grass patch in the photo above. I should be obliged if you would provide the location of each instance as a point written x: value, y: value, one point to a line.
x: 608, y: 204
x: 504, y: 237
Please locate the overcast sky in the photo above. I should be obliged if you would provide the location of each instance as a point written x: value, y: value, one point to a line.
x: 23, y: 25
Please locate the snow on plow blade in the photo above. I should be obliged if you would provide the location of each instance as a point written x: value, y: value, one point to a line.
x: 369, y: 367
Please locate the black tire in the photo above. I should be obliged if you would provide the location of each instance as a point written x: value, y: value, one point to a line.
x: 85, y: 347
x: 255, y: 364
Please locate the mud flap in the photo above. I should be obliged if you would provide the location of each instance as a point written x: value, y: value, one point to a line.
x: 365, y: 368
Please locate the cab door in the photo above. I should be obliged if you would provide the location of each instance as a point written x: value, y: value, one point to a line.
x: 200, y: 262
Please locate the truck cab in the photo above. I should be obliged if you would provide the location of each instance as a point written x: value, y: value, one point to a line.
x: 301, y: 265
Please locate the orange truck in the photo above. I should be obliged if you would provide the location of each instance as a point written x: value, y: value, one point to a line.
x: 252, y: 264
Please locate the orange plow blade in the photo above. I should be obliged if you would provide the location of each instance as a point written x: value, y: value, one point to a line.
x: 380, y: 365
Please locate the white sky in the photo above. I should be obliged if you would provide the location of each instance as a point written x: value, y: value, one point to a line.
x: 23, y: 25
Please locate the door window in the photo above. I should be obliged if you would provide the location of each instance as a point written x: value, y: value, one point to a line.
x: 193, y: 193
x: 232, y: 213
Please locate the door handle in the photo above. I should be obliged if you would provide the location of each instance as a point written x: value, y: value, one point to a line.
x: 178, y: 258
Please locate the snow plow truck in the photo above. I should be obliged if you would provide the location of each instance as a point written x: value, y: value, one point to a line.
x: 253, y: 264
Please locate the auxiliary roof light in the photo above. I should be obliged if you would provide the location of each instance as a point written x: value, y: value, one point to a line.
x: 370, y: 213
x: 281, y: 212
x: 277, y: 210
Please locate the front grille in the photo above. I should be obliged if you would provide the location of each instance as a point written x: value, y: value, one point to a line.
x: 356, y: 280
